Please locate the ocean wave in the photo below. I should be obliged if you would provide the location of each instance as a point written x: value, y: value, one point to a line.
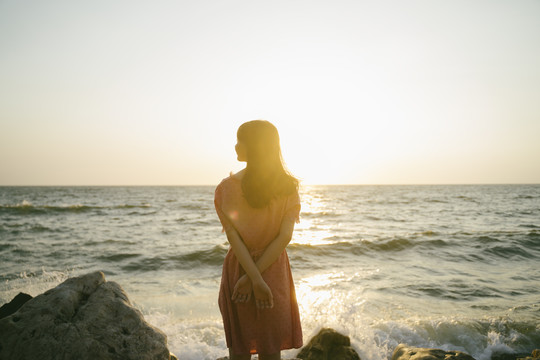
x: 376, y: 339
x: 198, y: 207
x: 436, y: 201
x: 27, y: 208
x: 4, y: 247
x: 456, y: 291
x: 485, y: 248
x: 396, y: 244
x: 319, y: 214
x: 486, y: 239
x: 18, y: 228
x: 109, y: 241
x: 128, y: 206
x: 525, y: 197
x: 117, y: 257
x: 363, y: 247
x: 508, y: 245
x: 530, y: 226
x: 484, y: 339
x: 210, y: 257
x: 467, y: 198
x: 196, y: 221
x: 531, y: 243
x: 138, y: 213
x: 511, y: 251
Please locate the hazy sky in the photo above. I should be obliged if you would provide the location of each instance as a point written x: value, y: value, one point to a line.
x: 152, y: 92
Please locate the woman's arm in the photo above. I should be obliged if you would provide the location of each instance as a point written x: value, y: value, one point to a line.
x: 242, y: 289
x: 263, y: 294
x: 276, y: 247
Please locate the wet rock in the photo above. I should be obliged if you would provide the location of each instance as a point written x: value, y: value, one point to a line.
x: 510, y: 356
x: 535, y: 355
x: 328, y: 344
x: 255, y: 358
x: 82, y: 318
x: 403, y: 352
x: 14, y: 305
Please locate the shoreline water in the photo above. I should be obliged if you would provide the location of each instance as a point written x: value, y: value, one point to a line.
x: 67, y: 298
x: 193, y: 337
x: 431, y: 266
x: 496, y: 353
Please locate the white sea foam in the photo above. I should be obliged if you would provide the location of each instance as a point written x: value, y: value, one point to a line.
x: 198, y: 339
x: 32, y: 283
x: 191, y: 339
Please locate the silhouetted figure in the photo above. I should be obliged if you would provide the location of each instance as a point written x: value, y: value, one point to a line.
x: 258, y: 208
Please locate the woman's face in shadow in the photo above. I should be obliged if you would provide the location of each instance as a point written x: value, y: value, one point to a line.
x: 241, y: 153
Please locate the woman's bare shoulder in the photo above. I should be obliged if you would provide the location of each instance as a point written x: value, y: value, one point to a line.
x: 239, y: 175
x: 231, y: 180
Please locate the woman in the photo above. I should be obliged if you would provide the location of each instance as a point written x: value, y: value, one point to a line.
x: 258, y: 208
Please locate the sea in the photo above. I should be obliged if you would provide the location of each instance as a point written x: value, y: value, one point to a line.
x: 455, y: 267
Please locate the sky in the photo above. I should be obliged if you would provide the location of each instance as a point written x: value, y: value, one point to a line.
x: 362, y: 92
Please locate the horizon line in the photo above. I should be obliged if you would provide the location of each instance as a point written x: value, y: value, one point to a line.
x: 334, y: 184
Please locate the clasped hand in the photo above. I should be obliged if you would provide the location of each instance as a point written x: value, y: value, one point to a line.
x: 244, y: 288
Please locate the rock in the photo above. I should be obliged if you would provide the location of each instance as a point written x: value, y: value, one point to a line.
x: 328, y: 344
x: 14, y: 305
x: 511, y: 356
x: 256, y: 357
x: 82, y: 318
x: 402, y: 352
x: 535, y: 355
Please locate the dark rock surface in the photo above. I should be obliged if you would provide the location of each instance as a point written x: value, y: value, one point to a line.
x: 510, y: 356
x: 403, y: 352
x: 83, y: 318
x: 535, y: 355
x: 14, y: 305
x: 254, y: 358
x: 328, y: 344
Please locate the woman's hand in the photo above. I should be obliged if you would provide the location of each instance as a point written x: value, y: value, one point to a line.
x: 263, y: 295
x: 242, y: 290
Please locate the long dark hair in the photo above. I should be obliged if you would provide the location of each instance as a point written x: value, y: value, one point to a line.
x: 265, y: 177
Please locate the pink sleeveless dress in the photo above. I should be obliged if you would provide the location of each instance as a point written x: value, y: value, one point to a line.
x: 249, y: 330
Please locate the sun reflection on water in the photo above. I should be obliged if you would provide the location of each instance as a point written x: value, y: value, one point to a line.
x: 316, y: 299
x: 311, y: 231
x: 308, y: 233
x: 322, y: 300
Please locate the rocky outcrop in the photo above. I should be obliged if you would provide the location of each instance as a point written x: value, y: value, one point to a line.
x: 402, y: 352
x: 535, y: 355
x: 227, y: 358
x: 511, y: 356
x: 82, y: 318
x: 14, y: 305
x: 328, y: 344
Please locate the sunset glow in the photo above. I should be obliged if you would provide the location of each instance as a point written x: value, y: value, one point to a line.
x: 140, y: 93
